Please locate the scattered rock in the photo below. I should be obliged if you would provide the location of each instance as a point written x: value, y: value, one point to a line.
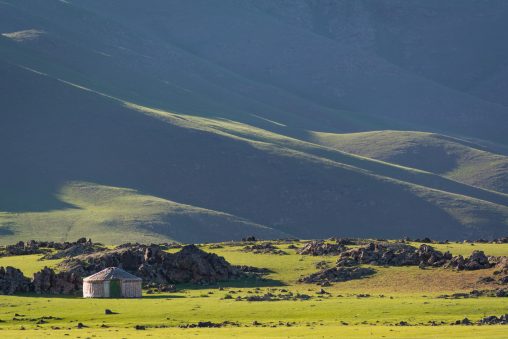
x: 322, y: 265
x: 209, y: 324
x: 38, y: 247
x: 156, y: 287
x: 337, y: 274
x: 494, y: 320
x: 464, y: 321
x: 264, y: 248
x: 275, y: 297
x: 254, y: 271
x: 321, y: 248
x: 486, y: 280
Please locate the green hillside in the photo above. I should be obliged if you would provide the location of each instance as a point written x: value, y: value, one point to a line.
x: 230, y: 172
x: 264, y: 69
x: 116, y: 215
x: 193, y: 121
x: 451, y: 157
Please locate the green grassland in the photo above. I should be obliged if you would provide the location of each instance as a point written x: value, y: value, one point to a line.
x: 396, y: 294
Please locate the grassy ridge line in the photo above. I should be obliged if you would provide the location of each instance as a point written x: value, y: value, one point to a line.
x: 265, y: 138
x: 451, y: 157
x: 118, y: 215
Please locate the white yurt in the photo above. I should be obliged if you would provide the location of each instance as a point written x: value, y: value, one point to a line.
x: 112, y: 282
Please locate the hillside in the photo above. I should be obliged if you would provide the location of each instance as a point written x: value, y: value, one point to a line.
x: 116, y: 215
x: 252, y: 175
x: 453, y: 158
x: 193, y: 121
x: 264, y: 70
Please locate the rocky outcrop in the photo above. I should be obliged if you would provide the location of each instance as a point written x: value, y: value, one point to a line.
x: 264, y: 248
x: 400, y: 254
x: 316, y: 248
x: 337, y: 274
x: 153, y: 265
x: 382, y: 254
x: 74, y: 250
x: 476, y: 261
x: 494, y: 320
x: 63, y: 249
x: 22, y: 248
x: 47, y: 281
x: 13, y: 281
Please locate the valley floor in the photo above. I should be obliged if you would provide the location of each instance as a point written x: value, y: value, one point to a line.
x: 372, y: 307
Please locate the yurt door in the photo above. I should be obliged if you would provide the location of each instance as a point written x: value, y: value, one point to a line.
x: 115, y: 289
x: 106, y: 289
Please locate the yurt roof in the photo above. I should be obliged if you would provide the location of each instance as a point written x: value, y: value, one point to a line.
x: 111, y: 273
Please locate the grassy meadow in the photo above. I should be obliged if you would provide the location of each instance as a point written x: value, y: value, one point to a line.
x: 395, y: 294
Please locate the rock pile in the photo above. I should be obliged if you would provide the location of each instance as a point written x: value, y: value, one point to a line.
x: 400, y: 254
x: 321, y: 248
x: 477, y: 261
x: 153, y: 265
x: 13, y: 281
x: 337, y: 274
x: 264, y: 248
x: 389, y: 254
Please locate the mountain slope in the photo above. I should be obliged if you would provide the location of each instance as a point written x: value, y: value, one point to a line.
x: 84, y: 136
x: 262, y: 69
x: 208, y: 107
x: 453, y: 158
x: 116, y: 216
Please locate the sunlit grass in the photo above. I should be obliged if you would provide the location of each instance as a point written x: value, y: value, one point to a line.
x: 396, y: 294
